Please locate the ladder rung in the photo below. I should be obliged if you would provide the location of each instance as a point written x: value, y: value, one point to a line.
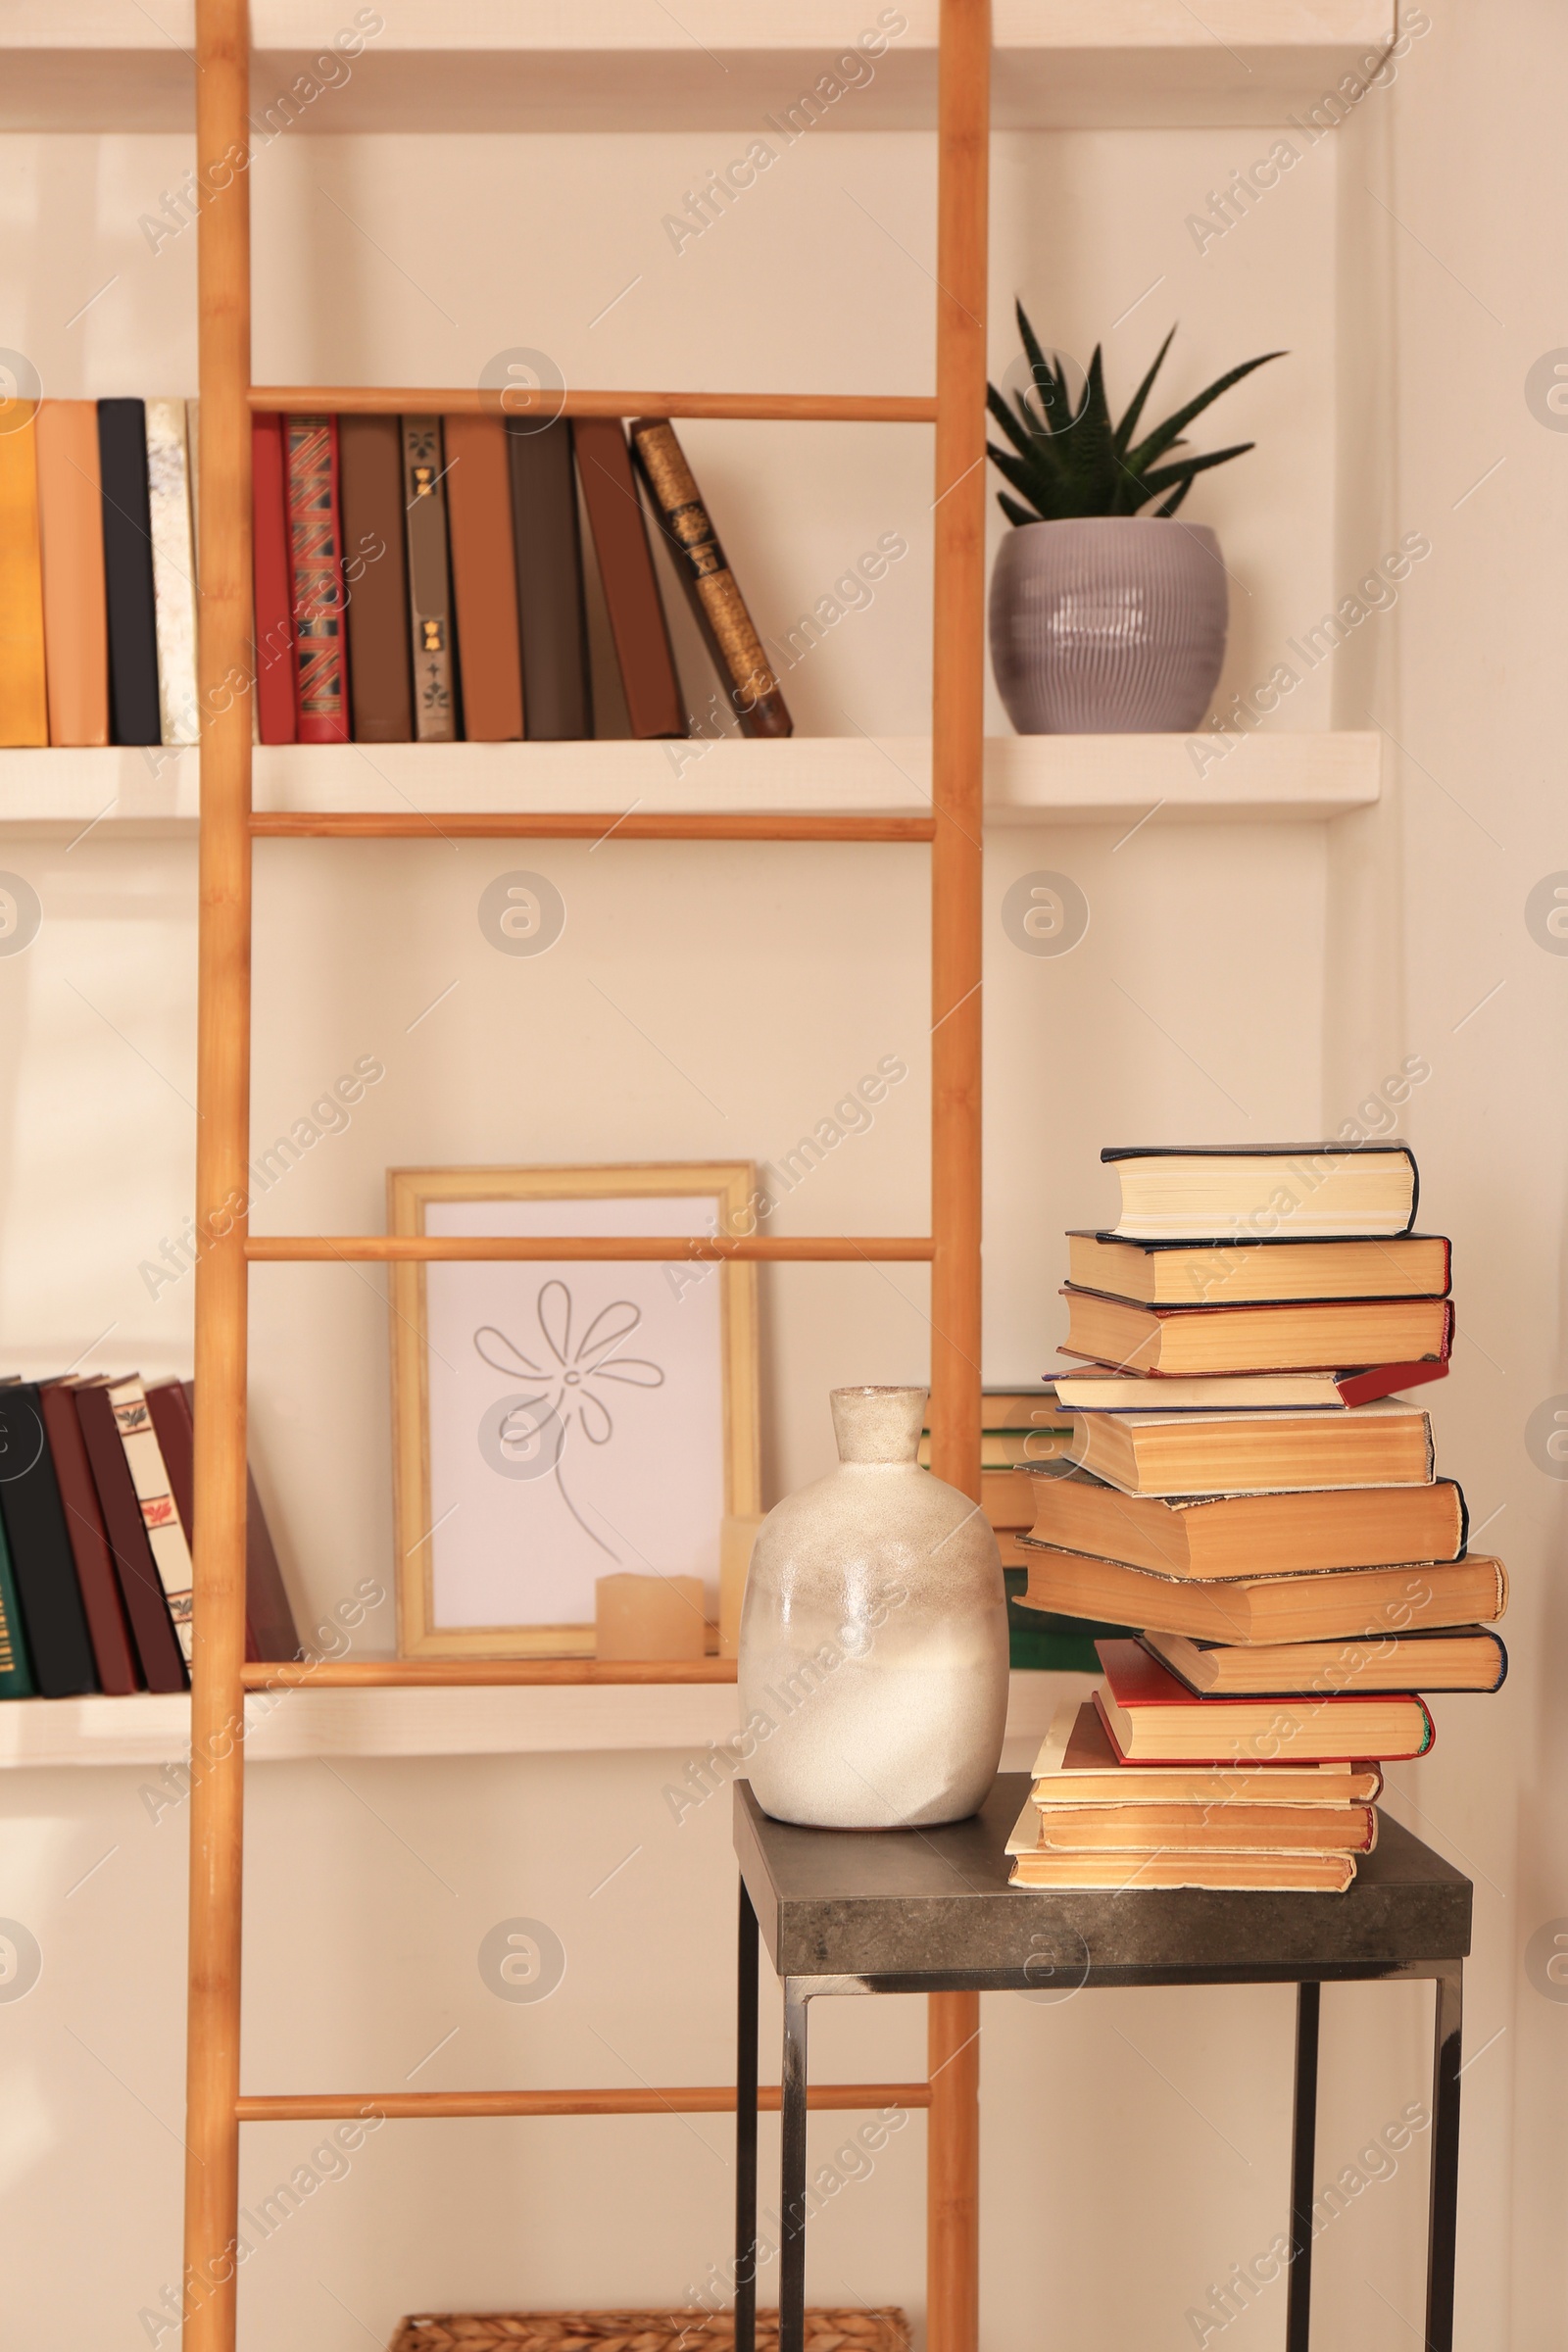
x: 412, y: 824
x: 797, y: 408
x: 703, y: 2098
x: 659, y: 1249
x: 416, y: 1674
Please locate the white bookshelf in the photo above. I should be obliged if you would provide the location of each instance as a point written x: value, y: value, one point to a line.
x: 287, y: 1726
x: 621, y: 64
x: 1030, y: 780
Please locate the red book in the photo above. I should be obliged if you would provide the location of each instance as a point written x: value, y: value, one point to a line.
x: 141, y: 1587
x: 269, y: 1631
x: 108, y: 1628
x: 1154, y: 1719
x: 273, y: 585
x: 316, y: 560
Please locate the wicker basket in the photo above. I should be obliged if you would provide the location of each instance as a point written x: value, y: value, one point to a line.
x: 859, y: 2330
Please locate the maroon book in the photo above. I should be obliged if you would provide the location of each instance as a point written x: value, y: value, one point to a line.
x: 140, y: 1585
x: 108, y: 1626
x: 270, y: 1631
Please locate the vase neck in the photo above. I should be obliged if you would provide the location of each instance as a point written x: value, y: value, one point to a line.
x: 878, y: 1425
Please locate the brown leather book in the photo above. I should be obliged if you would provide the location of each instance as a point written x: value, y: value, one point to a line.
x: 627, y: 568
x: 76, y: 628
x: 140, y: 1585
x: 424, y: 514
x: 376, y: 577
x: 557, y: 701
x: 710, y: 584
x: 485, y: 578
x: 108, y: 1628
x: 269, y: 1631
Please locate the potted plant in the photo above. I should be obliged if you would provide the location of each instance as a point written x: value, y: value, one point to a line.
x: 1105, y: 619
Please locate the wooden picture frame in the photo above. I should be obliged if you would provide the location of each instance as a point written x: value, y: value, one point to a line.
x: 523, y: 1393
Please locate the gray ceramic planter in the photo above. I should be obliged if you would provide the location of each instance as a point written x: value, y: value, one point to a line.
x: 1107, y: 625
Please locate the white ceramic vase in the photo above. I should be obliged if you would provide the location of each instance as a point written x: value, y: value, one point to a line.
x: 873, y: 1642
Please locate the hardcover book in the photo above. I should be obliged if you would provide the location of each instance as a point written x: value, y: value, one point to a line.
x: 376, y: 577
x: 424, y: 506
x: 626, y: 568
x: 23, y: 691
x: 272, y: 582
x: 53, y: 1620
x: 71, y: 525
x: 174, y: 570
x: 316, y: 564
x: 1221, y: 1191
x: 129, y: 597
x: 710, y: 586
x: 557, y: 697
x: 485, y: 578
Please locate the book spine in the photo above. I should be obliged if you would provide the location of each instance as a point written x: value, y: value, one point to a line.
x: 171, y: 1425
x: 717, y: 600
x: 139, y: 1583
x: 52, y: 1615
x: 174, y: 570
x: 485, y: 578
x: 75, y: 629
x: 376, y: 577
x: 23, y: 689
x: 316, y: 564
x: 160, y: 1515
x: 626, y: 568
x: 16, y: 1671
x: 552, y: 612
x: 424, y: 505
x: 273, y: 613
x: 133, y: 716
x: 114, y: 1653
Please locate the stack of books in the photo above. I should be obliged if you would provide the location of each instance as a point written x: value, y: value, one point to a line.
x: 96, y: 1483
x: 1254, y: 1500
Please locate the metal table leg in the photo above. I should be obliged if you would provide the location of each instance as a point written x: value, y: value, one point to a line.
x: 745, y: 2129
x: 1304, y: 2153
x: 1441, y: 2225
x: 792, y: 2177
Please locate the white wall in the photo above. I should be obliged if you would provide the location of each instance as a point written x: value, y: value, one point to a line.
x: 1194, y: 1009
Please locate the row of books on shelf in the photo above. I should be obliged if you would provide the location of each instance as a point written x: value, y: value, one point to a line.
x: 416, y: 578
x: 96, y: 1478
x: 1232, y: 1507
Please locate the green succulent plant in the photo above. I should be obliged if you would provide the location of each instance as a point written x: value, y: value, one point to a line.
x: 1068, y: 462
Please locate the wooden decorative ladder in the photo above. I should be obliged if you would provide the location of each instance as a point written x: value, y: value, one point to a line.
x: 216, y: 2105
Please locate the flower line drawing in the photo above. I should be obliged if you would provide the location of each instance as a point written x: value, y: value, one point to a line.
x: 534, y: 1429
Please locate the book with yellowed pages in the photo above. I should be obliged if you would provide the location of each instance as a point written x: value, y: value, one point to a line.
x: 1310, y: 1335
x: 1202, y: 1867
x: 1164, y: 1829
x: 1458, y: 1658
x: 1154, y: 1719
x: 1323, y: 1605
x: 1222, y: 1190
x: 1277, y: 1534
x: 1077, y: 1767
x: 1101, y: 1390
x: 1241, y: 1269
x: 1254, y: 1454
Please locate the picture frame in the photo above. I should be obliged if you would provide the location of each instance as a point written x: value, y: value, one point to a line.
x: 554, y: 1420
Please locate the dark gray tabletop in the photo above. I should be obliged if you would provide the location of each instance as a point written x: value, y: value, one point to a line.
x: 927, y: 1910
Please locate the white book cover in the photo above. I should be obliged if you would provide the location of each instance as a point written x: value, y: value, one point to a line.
x: 149, y: 1475
x: 174, y: 569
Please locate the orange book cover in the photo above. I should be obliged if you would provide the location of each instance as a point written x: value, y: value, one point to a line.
x: 24, y: 698
x: 75, y: 629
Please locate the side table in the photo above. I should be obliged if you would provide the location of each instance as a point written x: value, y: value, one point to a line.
x: 931, y: 1911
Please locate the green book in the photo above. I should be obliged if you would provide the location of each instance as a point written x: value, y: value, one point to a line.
x: 16, y: 1674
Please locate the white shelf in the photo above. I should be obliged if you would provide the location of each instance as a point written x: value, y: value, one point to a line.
x: 558, y: 1720
x: 1093, y: 779
x: 612, y: 64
